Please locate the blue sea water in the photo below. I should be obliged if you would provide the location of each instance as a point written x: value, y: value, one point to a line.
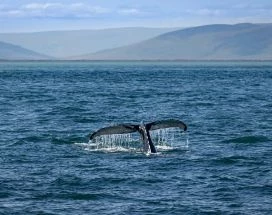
x: 48, y: 110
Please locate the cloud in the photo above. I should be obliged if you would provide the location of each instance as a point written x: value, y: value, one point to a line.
x: 105, y: 13
x: 62, y: 10
x: 206, y: 12
x: 53, y: 10
x: 256, y: 6
x: 128, y: 11
x: 38, y: 6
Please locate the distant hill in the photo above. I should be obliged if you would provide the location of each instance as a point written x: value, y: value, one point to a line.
x: 63, y: 44
x: 211, y: 42
x: 13, y: 52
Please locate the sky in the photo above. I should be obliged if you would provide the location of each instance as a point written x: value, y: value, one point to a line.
x: 51, y: 15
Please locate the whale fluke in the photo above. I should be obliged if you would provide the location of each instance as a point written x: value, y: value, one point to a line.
x: 143, y: 129
x: 118, y: 129
x: 169, y: 123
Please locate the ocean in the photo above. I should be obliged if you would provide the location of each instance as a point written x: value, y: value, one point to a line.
x: 49, y: 109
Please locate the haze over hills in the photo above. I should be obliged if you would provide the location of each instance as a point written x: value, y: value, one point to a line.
x: 63, y: 44
x: 212, y: 42
x: 13, y: 52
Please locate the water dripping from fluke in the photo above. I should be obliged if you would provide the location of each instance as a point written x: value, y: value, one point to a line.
x: 165, y: 140
x: 159, y: 133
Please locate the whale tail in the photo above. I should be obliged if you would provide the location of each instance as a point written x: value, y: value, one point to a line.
x: 117, y: 129
x: 131, y: 128
x: 169, y: 123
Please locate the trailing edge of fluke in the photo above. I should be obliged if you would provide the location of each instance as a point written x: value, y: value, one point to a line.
x: 143, y: 129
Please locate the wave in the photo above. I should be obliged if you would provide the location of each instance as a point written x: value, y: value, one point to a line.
x: 66, y: 140
x: 248, y: 139
x: 70, y: 196
x: 230, y: 160
x: 94, y: 147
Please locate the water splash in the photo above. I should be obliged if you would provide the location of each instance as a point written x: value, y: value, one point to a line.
x: 121, y: 141
x: 170, y: 138
x: 164, y: 140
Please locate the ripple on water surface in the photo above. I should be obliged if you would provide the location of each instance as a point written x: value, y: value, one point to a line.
x: 48, y: 110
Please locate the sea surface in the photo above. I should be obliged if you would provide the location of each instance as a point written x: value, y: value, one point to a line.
x: 49, y: 109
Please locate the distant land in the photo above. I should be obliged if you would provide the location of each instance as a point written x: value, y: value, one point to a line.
x: 63, y: 44
x: 14, y: 52
x: 211, y: 42
x: 243, y: 41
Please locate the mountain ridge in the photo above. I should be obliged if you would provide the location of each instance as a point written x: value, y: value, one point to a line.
x: 244, y: 41
x: 10, y: 51
x: 63, y: 44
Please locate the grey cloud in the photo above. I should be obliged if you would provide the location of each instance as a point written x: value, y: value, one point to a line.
x: 54, y: 9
